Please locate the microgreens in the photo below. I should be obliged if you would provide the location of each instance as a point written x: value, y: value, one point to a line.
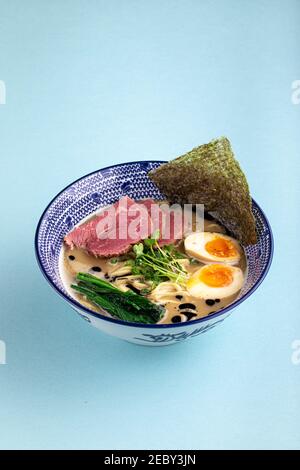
x: 156, y: 263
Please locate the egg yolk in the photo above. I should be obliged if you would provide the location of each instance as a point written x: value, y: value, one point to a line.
x: 221, y: 247
x: 216, y: 275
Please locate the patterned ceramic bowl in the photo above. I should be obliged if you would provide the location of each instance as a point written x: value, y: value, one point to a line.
x: 101, y: 188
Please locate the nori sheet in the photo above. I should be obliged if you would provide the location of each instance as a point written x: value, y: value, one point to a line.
x: 211, y: 175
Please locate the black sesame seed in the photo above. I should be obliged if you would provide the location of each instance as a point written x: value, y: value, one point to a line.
x: 134, y: 289
x: 179, y: 297
x: 106, y: 276
x: 187, y: 305
x: 97, y: 269
x: 189, y: 315
x: 217, y: 300
x: 210, y: 302
x: 71, y: 257
x: 176, y: 319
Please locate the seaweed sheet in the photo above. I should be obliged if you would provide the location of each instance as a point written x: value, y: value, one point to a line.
x: 211, y: 175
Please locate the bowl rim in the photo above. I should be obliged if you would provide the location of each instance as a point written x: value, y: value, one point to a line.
x: 78, y: 305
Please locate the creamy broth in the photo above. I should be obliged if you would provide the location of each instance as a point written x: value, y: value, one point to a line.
x: 179, y: 305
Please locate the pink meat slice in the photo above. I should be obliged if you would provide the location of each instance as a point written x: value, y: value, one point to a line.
x: 169, y: 223
x: 102, y: 239
x: 131, y: 222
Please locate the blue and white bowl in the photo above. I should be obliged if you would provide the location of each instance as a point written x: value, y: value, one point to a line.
x: 104, y: 187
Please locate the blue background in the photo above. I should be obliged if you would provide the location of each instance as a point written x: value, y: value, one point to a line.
x: 100, y: 82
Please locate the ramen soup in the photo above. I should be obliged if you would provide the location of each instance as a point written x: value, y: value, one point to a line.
x: 204, y: 273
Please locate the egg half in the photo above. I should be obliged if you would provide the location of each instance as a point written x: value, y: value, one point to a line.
x: 213, y: 247
x: 215, y: 281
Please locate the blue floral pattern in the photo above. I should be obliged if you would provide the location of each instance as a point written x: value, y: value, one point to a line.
x: 176, y: 337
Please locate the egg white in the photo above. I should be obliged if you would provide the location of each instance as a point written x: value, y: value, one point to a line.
x: 194, y: 245
x: 199, y: 289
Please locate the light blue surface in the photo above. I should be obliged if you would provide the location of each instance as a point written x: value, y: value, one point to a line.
x: 94, y: 83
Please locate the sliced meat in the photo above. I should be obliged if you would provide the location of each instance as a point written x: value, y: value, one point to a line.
x: 169, y: 223
x: 113, y: 231
x: 172, y: 229
x: 117, y: 228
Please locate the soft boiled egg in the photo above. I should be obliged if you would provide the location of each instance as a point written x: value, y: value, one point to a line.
x: 213, y: 247
x: 215, y: 281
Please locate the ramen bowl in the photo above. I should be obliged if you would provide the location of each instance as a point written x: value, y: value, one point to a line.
x: 102, y: 188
